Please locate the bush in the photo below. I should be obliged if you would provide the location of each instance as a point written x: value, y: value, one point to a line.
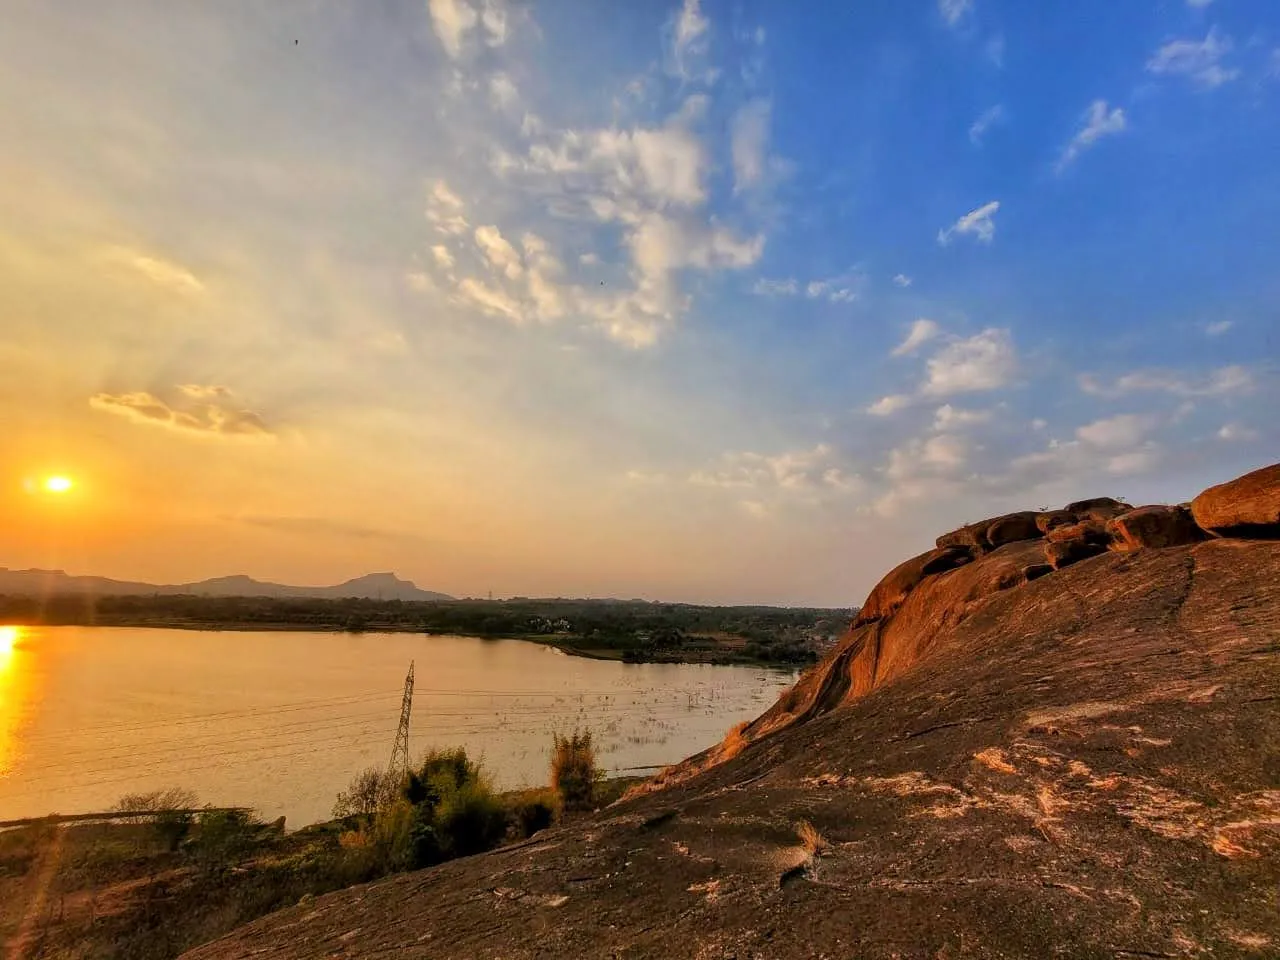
x: 531, y: 811
x: 368, y: 790
x: 573, y: 770
x: 172, y: 812
x: 470, y: 820
x: 223, y: 836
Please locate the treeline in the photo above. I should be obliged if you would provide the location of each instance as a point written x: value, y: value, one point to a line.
x: 633, y: 630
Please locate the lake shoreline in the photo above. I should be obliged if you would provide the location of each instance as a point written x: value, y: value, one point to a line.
x: 569, y: 645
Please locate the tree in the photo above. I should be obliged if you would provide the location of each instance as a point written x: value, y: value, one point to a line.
x: 573, y: 769
x: 369, y: 790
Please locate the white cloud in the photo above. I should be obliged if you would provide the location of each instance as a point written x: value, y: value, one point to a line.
x: 490, y: 299
x: 994, y: 49
x: 985, y: 361
x: 947, y: 417
x: 902, y: 280
x: 1221, y: 382
x: 954, y: 11
x: 1134, y: 461
x: 988, y: 118
x: 502, y: 91
x: 749, y: 142
x: 1201, y: 60
x: 1217, y: 328
x: 775, y: 288
x: 444, y: 209
x: 755, y: 508
x: 499, y: 252
x: 211, y: 415
x: 589, y: 259
x: 978, y: 222
x: 799, y: 471
x: 1234, y: 432
x: 689, y: 36
x: 1099, y: 122
x: 156, y: 270
x: 890, y: 404
x: 1124, y: 430
x: 1039, y: 423
x: 454, y: 20
x: 442, y: 255
x: 922, y: 331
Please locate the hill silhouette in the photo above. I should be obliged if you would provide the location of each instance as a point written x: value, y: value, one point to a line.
x: 371, y: 586
x: 1056, y: 734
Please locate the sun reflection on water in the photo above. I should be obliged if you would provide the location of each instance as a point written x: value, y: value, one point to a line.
x: 12, y: 694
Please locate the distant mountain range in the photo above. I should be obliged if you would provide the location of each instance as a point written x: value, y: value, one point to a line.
x: 373, y: 586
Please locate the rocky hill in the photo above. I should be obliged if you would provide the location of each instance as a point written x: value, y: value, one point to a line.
x: 1056, y: 734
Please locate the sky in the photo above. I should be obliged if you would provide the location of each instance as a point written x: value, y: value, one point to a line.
x: 713, y: 302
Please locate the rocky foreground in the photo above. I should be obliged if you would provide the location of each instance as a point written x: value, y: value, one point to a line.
x: 1057, y: 734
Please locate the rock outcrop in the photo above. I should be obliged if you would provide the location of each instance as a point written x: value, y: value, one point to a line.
x: 1246, y: 506
x: 1003, y: 759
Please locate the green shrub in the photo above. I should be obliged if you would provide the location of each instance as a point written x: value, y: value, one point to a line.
x: 573, y: 770
x: 368, y: 790
x: 470, y: 820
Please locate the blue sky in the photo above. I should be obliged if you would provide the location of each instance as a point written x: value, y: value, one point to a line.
x: 726, y: 302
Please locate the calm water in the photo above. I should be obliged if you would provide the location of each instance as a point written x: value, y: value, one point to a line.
x: 280, y: 721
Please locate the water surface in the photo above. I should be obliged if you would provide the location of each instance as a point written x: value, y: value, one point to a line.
x: 280, y: 721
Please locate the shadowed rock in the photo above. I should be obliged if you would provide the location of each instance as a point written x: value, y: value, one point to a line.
x: 1153, y: 527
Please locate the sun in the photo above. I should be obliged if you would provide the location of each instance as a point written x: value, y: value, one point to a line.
x: 8, y: 639
x: 58, y: 484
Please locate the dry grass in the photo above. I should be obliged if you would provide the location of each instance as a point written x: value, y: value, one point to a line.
x: 735, y: 741
x: 814, y: 843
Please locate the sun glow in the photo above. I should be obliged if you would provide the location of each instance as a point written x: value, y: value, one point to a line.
x: 58, y: 484
x: 8, y: 640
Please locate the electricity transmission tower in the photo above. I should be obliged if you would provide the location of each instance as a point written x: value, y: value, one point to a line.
x: 400, y: 751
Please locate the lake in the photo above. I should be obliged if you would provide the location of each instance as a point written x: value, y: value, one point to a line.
x: 280, y: 721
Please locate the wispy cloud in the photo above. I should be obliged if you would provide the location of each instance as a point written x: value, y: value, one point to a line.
x: 922, y: 331
x: 891, y: 404
x: 749, y: 143
x: 814, y: 470
x: 841, y: 288
x: 1237, y: 433
x: 152, y: 268
x: 985, y: 361
x: 1099, y: 121
x: 986, y: 120
x: 954, y: 12
x: 775, y: 288
x: 977, y: 223
x: 902, y: 280
x: 1224, y: 381
x: 1200, y: 60
x: 689, y: 39
x: 1123, y: 430
x: 212, y: 413
x: 456, y: 21
x: 1217, y: 328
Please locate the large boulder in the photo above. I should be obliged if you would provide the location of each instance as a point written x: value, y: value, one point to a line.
x: 1155, y: 526
x: 888, y: 594
x: 1054, y: 518
x: 1063, y: 553
x: 1090, y: 531
x: 972, y: 536
x: 1012, y: 527
x: 1247, y: 506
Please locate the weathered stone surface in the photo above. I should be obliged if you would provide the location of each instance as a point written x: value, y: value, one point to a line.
x: 1097, y: 503
x: 1054, y: 518
x: 898, y: 582
x: 1081, y: 766
x: 1063, y: 553
x: 1155, y: 526
x: 1011, y: 528
x: 1246, y: 506
x: 972, y: 536
x: 1091, y: 531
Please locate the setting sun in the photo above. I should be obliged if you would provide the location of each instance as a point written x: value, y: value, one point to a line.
x: 8, y: 639
x: 58, y: 484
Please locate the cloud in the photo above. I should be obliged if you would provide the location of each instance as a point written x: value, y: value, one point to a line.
x: 499, y: 252
x: 215, y: 416
x: 947, y: 417
x: 955, y: 11
x: 985, y: 361
x: 1237, y: 432
x: 902, y: 280
x: 502, y: 91
x: 807, y: 472
x: 491, y: 300
x: 162, y: 273
x: 1099, y: 122
x: 890, y: 404
x: 1200, y: 60
x: 444, y: 209
x: 442, y: 255
x: 1124, y: 430
x: 455, y: 20
x: 1217, y: 328
x: 1221, y: 382
x: 1199, y: 4
x: 749, y: 142
x: 775, y: 288
x: 922, y: 331
x: 978, y: 222
x: 988, y: 118
x: 324, y: 526
x: 689, y: 36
